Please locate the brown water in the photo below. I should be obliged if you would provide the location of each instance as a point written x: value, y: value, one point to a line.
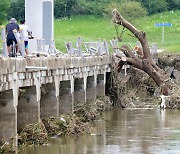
x: 127, y: 131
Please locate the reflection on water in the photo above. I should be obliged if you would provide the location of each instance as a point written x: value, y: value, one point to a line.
x: 123, y: 131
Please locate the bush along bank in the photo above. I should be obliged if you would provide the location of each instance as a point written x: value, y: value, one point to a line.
x: 67, y: 124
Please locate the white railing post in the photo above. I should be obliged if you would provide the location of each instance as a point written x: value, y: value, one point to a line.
x: 106, y: 47
x: 17, y: 36
x: 79, y: 41
x: 22, y: 49
x: 99, y: 46
x: 4, y: 45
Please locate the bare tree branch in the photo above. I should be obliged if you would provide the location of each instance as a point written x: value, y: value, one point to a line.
x: 118, y: 19
x: 142, y: 61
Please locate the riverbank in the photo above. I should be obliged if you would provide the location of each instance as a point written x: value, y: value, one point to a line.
x: 138, y: 90
x: 70, y: 124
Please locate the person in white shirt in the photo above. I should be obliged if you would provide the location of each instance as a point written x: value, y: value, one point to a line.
x: 27, y: 34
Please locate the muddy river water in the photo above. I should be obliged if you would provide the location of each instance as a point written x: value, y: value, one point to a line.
x: 130, y: 131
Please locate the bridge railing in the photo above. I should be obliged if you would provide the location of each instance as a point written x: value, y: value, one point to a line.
x: 80, y: 49
x: 97, y: 48
x: 4, y: 44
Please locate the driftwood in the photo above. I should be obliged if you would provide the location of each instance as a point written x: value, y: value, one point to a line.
x: 144, y: 59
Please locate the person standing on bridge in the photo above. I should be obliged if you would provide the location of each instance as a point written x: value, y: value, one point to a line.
x: 10, y: 35
x: 27, y: 34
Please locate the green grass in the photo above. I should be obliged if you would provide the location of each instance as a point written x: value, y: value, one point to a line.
x: 90, y: 28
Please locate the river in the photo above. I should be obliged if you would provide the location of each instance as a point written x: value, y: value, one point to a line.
x: 129, y: 131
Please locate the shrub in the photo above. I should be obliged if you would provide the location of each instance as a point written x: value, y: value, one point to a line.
x: 67, y: 8
x: 173, y: 4
x: 4, y: 5
x: 129, y: 10
x: 17, y: 9
x: 155, y: 6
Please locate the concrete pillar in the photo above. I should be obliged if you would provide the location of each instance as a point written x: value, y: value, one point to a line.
x: 72, y: 93
x: 39, y: 16
x: 33, y: 15
x: 38, y: 98
x: 15, y: 103
x: 79, y: 91
x: 48, y: 21
x: 27, y: 107
x: 7, y: 116
x: 48, y: 101
x: 65, y: 97
x: 85, y: 85
x: 100, y: 85
x: 57, y: 88
x: 91, y: 89
x: 95, y: 83
x: 108, y: 83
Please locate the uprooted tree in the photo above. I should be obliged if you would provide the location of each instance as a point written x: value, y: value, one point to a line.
x: 144, y: 60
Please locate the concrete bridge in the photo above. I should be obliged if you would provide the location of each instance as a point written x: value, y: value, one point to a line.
x: 35, y: 88
x: 38, y: 87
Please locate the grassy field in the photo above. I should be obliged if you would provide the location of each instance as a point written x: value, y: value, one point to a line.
x: 90, y: 28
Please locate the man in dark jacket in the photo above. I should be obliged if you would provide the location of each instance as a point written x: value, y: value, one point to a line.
x: 10, y: 35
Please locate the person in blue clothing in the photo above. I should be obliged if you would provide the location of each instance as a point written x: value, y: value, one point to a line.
x: 10, y: 35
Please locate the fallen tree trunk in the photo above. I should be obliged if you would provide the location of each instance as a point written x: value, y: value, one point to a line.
x: 143, y: 61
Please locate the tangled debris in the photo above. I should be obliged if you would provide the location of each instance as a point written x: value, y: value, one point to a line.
x: 6, y: 147
x: 33, y: 134
x: 67, y: 124
x: 72, y: 124
x: 138, y: 90
x: 173, y: 102
x: 90, y: 111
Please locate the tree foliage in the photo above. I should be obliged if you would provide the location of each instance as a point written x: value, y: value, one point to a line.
x: 4, y: 6
x: 66, y: 8
x: 173, y: 4
x: 155, y: 6
x: 130, y: 9
x: 17, y: 9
